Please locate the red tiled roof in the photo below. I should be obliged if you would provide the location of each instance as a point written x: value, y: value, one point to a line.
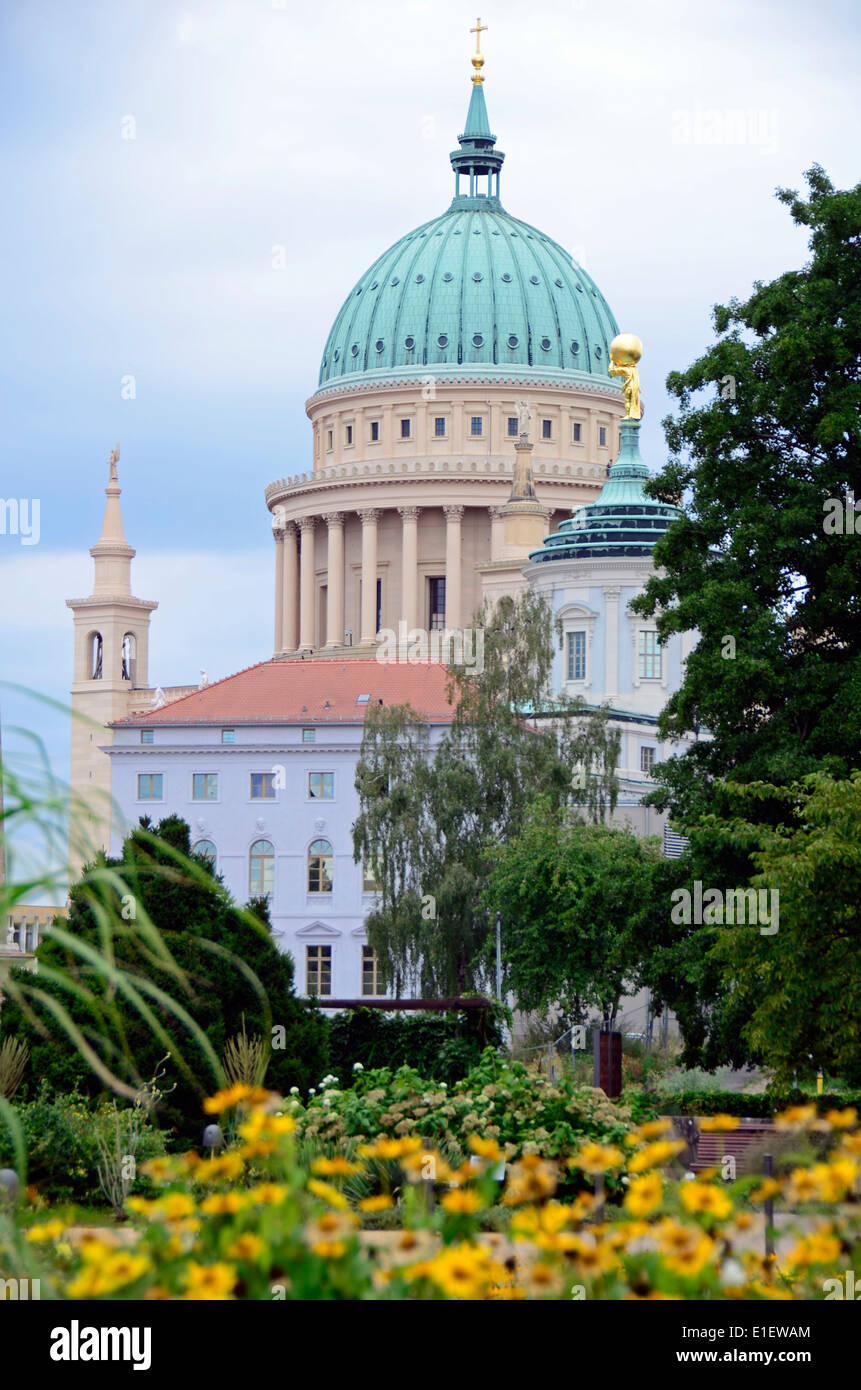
x: 311, y: 691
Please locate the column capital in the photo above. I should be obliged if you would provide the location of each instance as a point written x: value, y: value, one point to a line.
x: 369, y: 515
x: 496, y: 509
x: 611, y: 593
x: 454, y: 512
x: 409, y: 513
x: 333, y: 519
x: 307, y: 523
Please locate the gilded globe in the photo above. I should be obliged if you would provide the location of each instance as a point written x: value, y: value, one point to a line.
x: 626, y: 349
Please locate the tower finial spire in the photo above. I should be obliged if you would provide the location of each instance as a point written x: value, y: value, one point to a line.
x: 478, y: 60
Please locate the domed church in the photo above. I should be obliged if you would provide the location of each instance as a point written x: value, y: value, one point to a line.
x: 403, y: 514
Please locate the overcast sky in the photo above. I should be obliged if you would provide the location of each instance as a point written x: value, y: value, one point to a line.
x: 326, y: 129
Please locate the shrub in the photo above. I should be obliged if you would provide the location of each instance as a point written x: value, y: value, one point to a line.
x: 747, y: 1106
x: 442, y: 1047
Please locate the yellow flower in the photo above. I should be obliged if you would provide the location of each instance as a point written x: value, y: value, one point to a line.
x: 263, y: 1126
x: 247, y: 1247
x: 795, y: 1117
x: 485, y: 1148
x: 141, y: 1205
x: 464, y: 1271
x: 267, y: 1194
x: 173, y: 1207
x: 49, y: 1230
x: 379, y: 1203
x: 235, y: 1095
x: 90, y: 1283
x: 461, y: 1202
x: 842, y: 1119
x: 94, y: 1251
x: 332, y: 1227
x: 159, y: 1169
x: 327, y: 1193
x: 597, y: 1158
x: 330, y: 1249
x: 337, y: 1167
x: 692, y: 1258
x: 653, y: 1155
x: 124, y: 1268
x: 705, y: 1197
x: 651, y: 1129
x: 223, y: 1204
x: 532, y: 1179
x: 644, y: 1195
x: 769, y: 1187
x: 210, y: 1282
x: 229, y: 1166
x: 719, y: 1123
x: 392, y: 1148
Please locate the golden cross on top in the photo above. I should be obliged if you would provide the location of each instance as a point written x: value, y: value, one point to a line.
x: 478, y: 61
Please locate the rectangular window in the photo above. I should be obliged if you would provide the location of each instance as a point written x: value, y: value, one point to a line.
x: 375, y: 431
x: 372, y: 983
x: 228, y: 735
x: 578, y: 429
x: 405, y: 429
x: 150, y: 786
x: 650, y: 656
x: 436, y: 605
x: 349, y: 434
x: 321, y: 785
x: 513, y: 426
x: 147, y: 736
x: 476, y: 426
x: 370, y: 882
x: 318, y: 970
x: 439, y: 427
x: 546, y: 429
x: 309, y: 735
x: 204, y: 786
x: 576, y: 656
x: 602, y: 435
x: 263, y: 786
x: 647, y: 759
x: 329, y: 440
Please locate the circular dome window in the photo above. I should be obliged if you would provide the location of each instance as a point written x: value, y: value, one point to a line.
x: 478, y: 275
x: 375, y: 284
x: 512, y: 342
x: 579, y: 289
x: 410, y: 344
x: 447, y: 276
x: 379, y: 345
x: 533, y: 280
x: 355, y: 349
x: 477, y: 340
x: 395, y: 280
x: 442, y: 340
x: 559, y: 283
x: 575, y: 347
x: 545, y: 344
x: 597, y: 352
x: 507, y: 278
x: 420, y: 279
x: 476, y: 231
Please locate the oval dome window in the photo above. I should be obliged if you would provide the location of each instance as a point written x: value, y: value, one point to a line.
x: 560, y: 284
x: 442, y: 340
x: 575, y: 347
x: 477, y: 340
x: 597, y: 352
x: 337, y: 353
x: 545, y: 343
x: 447, y: 276
x: 533, y: 280
x: 410, y: 344
x: 395, y: 280
x: 420, y: 279
x: 507, y: 278
x: 379, y: 345
x: 478, y: 275
x: 355, y: 349
x: 375, y: 284
x: 512, y: 342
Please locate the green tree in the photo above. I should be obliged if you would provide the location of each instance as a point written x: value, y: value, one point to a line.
x: 574, y: 900
x: 427, y: 814
x: 156, y: 959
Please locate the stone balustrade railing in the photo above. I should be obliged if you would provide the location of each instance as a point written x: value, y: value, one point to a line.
x: 499, y: 467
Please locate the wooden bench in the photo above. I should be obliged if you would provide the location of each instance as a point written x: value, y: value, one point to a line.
x: 713, y: 1148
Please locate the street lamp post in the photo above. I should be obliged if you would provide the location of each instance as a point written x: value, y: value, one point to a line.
x: 499, y: 957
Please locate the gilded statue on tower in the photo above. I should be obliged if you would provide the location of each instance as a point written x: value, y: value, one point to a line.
x: 625, y: 352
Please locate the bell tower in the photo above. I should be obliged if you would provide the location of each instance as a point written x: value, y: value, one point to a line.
x: 110, y: 675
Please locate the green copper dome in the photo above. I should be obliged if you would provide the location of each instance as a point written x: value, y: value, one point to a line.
x: 474, y: 288
x: 622, y: 520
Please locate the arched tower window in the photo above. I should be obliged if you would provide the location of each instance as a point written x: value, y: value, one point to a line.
x: 207, y: 849
x: 95, y: 661
x: 320, y: 867
x: 262, y: 868
x: 130, y: 651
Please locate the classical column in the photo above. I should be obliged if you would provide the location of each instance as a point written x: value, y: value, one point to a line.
x: 453, y: 565
x: 409, y: 566
x: 335, y: 580
x: 611, y: 643
x: 278, y: 533
x: 497, y: 531
x: 290, y: 602
x: 306, y: 584
x: 368, y: 622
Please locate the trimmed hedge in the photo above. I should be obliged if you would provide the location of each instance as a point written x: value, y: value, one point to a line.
x: 441, y: 1047
x: 754, y: 1107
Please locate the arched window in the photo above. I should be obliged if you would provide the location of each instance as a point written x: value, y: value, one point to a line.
x: 95, y: 657
x: 262, y: 876
x: 320, y: 867
x: 130, y: 650
x: 208, y: 850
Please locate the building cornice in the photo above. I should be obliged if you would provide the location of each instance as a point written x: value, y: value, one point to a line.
x: 489, y: 469
x: 367, y: 383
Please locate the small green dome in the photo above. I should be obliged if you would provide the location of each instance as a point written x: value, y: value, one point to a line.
x: 471, y: 289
